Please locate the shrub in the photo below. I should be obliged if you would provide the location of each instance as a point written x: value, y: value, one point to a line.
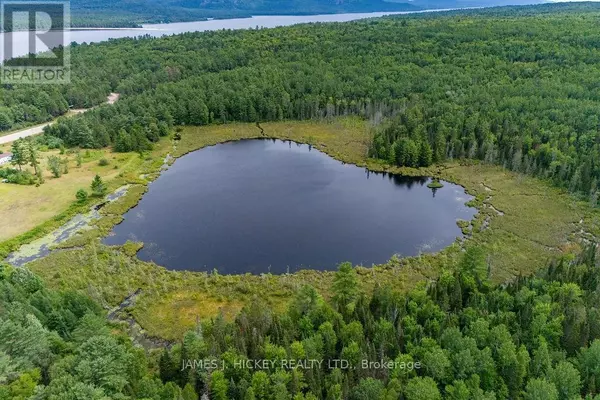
x: 435, y: 184
x: 81, y: 195
x: 50, y: 142
x: 17, y: 177
x: 54, y: 165
x: 103, y: 162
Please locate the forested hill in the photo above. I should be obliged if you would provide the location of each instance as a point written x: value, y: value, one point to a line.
x: 134, y: 12
x: 125, y: 13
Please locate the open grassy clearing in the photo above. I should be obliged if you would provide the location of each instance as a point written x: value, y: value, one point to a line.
x: 522, y: 222
x: 529, y: 220
x: 26, y: 208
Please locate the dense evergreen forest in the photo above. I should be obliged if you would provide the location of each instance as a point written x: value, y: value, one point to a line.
x: 456, y: 338
x: 505, y: 86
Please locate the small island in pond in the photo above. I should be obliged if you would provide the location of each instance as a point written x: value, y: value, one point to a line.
x: 435, y: 184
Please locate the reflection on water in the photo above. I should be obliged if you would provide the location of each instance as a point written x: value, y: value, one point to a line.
x: 272, y: 206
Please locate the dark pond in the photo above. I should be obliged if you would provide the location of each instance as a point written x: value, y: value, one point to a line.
x: 272, y: 206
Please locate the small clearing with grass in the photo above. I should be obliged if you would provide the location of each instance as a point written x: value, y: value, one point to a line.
x: 23, y: 208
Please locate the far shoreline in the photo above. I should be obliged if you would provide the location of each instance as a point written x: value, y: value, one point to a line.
x: 151, y: 26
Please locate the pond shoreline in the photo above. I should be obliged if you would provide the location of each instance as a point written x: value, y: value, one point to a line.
x: 374, y: 166
x: 173, y: 301
x: 431, y: 245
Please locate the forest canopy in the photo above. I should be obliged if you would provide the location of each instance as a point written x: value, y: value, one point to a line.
x: 510, y: 87
x: 457, y: 338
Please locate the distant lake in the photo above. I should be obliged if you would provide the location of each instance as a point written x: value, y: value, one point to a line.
x: 272, y: 206
x: 20, y: 41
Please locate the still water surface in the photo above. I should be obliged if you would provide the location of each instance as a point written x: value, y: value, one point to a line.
x: 272, y: 206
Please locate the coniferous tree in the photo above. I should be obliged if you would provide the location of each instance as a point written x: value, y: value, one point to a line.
x: 98, y: 187
x: 425, y: 155
x: 345, y: 288
x: 32, y: 154
x: 19, y: 152
x: 81, y: 196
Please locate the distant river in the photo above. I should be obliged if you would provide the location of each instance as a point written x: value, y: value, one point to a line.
x: 272, y: 206
x: 20, y: 42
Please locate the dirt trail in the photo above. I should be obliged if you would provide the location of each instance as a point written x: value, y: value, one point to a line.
x: 36, y: 130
